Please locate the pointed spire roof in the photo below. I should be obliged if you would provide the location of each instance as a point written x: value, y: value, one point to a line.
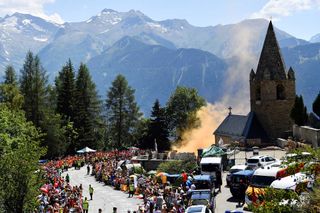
x: 291, y: 75
x: 252, y: 75
x: 271, y: 65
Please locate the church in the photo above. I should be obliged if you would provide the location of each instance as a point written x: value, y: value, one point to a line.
x: 272, y: 96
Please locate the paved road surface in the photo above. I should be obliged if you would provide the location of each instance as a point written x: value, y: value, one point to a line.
x: 104, y: 197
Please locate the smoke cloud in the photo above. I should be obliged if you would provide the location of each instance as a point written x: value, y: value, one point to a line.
x: 210, y: 116
x: 236, y: 95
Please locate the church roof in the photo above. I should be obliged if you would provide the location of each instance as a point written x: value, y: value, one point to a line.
x: 241, y: 126
x: 271, y: 65
x: 232, y: 125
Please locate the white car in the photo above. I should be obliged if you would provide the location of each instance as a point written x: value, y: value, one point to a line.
x: 260, y: 161
x: 198, y: 209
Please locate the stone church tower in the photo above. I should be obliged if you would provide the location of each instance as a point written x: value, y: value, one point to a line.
x: 272, y: 89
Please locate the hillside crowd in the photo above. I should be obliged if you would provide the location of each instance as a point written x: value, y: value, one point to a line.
x: 157, y: 194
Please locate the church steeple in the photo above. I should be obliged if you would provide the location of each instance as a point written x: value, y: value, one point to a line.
x: 271, y: 65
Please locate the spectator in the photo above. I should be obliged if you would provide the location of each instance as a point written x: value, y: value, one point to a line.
x: 91, y: 191
x: 85, y: 205
x: 88, y: 169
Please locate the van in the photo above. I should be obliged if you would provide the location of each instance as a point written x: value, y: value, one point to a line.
x: 204, y: 182
x: 211, y: 165
x: 262, y: 178
x: 240, y: 182
x: 234, y: 169
x: 298, y: 182
x: 203, y: 197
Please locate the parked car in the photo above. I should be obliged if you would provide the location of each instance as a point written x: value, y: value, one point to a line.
x: 240, y: 182
x: 203, y: 197
x: 260, y: 160
x: 198, y: 209
x: 204, y: 182
x: 234, y: 169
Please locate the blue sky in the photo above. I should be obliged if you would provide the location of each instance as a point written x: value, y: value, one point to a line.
x: 297, y: 17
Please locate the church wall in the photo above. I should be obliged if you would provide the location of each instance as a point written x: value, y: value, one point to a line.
x: 226, y: 139
x: 273, y: 114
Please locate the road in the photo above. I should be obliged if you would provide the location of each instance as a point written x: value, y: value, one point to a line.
x: 104, y: 197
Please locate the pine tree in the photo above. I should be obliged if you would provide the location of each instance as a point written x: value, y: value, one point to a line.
x: 10, y: 94
x: 299, y: 111
x: 87, y: 110
x: 33, y: 86
x: 10, y: 76
x: 316, y: 105
x: 158, y: 128
x: 122, y: 112
x: 65, y: 84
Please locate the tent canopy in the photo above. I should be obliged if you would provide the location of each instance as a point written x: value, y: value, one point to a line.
x: 213, y: 151
x: 86, y: 150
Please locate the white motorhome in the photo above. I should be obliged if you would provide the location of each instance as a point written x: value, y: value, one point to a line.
x: 211, y: 165
x: 293, y: 182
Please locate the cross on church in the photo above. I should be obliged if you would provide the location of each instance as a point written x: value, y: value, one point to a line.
x: 230, y: 108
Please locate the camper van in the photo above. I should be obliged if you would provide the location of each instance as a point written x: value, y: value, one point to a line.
x: 211, y: 165
x: 262, y: 178
x: 298, y: 182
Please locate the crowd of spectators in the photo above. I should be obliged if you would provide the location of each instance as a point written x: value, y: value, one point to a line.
x: 57, y: 194
x: 156, y: 192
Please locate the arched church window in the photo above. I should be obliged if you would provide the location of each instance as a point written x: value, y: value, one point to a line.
x: 280, y: 92
x: 258, y: 94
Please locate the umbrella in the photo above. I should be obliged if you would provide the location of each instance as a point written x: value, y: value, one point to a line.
x: 152, y: 172
x: 162, y: 174
x: 86, y: 150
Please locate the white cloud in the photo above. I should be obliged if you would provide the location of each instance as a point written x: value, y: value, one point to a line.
x: 33, y: 7
x: 280, y: 8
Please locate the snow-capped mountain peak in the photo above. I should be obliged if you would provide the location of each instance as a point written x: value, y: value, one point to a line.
x: 106, y: 16
x: 315, y: 38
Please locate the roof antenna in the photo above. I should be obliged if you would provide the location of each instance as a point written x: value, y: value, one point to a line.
x: 230, y: 108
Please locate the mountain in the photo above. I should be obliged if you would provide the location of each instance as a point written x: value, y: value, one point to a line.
x: 315, y: 38
x: 82, y: 41
x: 155, y: 56
x: 305, y: 60
x: 20, y: 33
x: 155, y: 71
